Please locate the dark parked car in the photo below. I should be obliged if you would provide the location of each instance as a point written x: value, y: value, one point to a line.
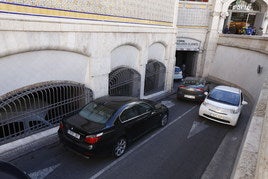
x: 9, y: 171
x: 193, y: 88
x: 109, y: 124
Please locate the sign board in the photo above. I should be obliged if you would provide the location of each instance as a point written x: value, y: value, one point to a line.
x: 241, y: 5
x: 187, y: 44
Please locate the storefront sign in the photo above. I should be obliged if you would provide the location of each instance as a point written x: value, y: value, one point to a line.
x: 187, y: 44
x: 242, y: 6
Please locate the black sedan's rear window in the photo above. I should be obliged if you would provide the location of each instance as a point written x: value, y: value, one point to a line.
x: 98, y: 113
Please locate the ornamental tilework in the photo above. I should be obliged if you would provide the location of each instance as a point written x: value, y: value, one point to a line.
x: 138, y: 9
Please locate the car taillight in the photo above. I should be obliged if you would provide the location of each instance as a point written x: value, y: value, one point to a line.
x: 200, y: 89
x: 92, y: 139
x: 61, y: 125
x: 181, y: 86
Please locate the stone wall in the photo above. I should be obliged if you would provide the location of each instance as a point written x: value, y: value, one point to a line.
x: 240, y: 65
x: 252, y: 160
x: 83, y: 35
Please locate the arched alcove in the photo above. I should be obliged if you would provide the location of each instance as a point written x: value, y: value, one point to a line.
x: 124, y: 81
x: 154, y: 77
x: 39, y: 106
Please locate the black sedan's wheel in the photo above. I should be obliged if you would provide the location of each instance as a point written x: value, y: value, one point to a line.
x: 164, y: 120
x: 120, y: 147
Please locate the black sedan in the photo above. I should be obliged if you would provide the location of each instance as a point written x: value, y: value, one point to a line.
x: 109, y: 124
x: 193, y: 88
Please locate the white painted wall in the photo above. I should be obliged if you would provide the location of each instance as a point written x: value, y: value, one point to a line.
x: 125, y: 55
x: 157, y: 52
x: 103, y: 48
x: 239, y: 66
x: 28, y: 68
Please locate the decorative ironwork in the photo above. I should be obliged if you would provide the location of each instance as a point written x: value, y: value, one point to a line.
x: 39, y: 107
x: 154, y: 77
x: 124, y: 82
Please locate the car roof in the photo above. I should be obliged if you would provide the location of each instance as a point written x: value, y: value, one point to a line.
x: 194, y: 78
x: 228, y: 88
x: 115, y: 102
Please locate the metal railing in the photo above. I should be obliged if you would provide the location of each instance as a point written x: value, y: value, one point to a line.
x: 154, y: 77
x: 124, y: 82
x: 39, y: 107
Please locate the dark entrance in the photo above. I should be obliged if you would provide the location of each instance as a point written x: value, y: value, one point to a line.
x: 124, y: 82
x: 186, y: 60
x: 154, y: 77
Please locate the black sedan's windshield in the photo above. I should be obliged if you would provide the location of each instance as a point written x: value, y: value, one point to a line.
x: 96, y: 112
x: 224, y: 97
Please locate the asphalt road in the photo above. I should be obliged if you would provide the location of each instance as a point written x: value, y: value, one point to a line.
x: 188, y: 147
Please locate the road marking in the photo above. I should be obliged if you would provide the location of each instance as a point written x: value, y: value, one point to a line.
x: 138, y: 146
x: 168, y: 104
x: 197, y: 127
x: 43, y: 172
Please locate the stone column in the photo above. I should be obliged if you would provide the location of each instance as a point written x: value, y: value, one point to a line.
x: 265, y: 24
x: 97, y: 77
x: 142, y: 68
x: 170, y: 60
x: 212, y: 38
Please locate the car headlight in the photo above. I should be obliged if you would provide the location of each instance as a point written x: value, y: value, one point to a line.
x: 205, y: 103
x: 235, y: 111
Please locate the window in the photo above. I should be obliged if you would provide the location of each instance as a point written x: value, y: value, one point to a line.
x: 96, y: 112
x: 143, y: 108
x: 129, y: 114
x: 225, y: 97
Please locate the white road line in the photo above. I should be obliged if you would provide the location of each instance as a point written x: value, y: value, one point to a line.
x: 43, y: 172
x: 197, y: 127
x: 138, y: 146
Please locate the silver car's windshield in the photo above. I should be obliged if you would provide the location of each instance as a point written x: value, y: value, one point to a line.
x: 225, y: 97
x: 96, y: 112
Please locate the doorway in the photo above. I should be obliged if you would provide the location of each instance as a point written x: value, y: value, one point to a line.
x: 186, y: 60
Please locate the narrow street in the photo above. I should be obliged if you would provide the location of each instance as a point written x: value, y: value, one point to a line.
x: 182, y: 149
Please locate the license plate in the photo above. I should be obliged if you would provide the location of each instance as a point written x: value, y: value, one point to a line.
x: 189, y: 96
x: 73, y: 134
x: 216, y: 115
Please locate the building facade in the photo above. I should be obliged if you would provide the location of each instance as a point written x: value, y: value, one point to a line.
x: 201, y: 22
x: 57, y: 55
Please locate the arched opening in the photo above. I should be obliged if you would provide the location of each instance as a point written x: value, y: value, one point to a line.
x: 124, y: 82
x: 244, y: 17
x: 187, y: 51
x: 38, y: 107
x: 154, y: 77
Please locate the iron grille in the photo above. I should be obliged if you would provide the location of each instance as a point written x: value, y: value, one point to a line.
x: 154, y: 77
x: 124, y: 82
x: 39, y: 107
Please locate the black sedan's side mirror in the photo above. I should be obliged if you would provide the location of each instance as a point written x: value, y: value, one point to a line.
x: 153, y: 113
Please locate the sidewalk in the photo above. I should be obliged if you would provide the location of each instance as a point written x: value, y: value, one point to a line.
x: 253, y: 159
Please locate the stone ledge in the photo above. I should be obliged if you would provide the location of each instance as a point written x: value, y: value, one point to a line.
x: 25, y: 145
x: 252, y: 162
